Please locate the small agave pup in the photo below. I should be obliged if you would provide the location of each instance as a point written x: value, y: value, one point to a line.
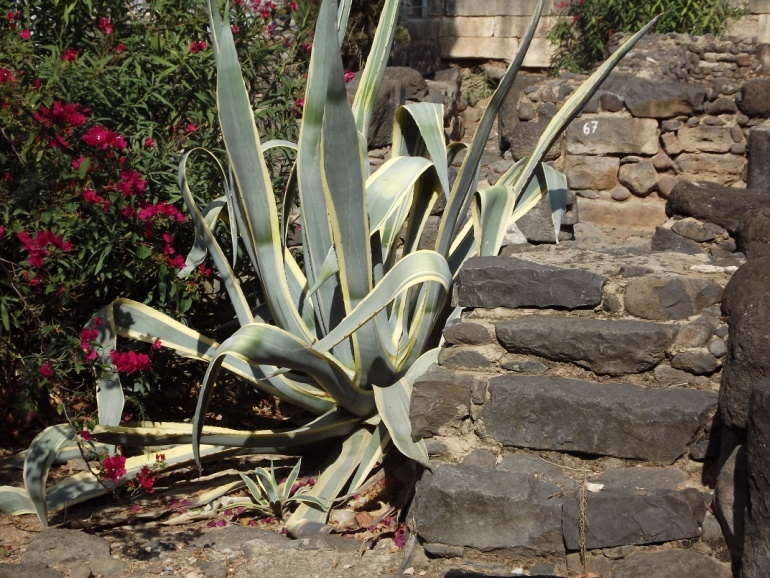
x: 345, y: 335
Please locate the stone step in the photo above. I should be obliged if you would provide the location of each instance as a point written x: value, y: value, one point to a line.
x: 617, y: 419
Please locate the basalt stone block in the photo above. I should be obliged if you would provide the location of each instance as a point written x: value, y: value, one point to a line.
x: 607, y: 347
x: 753, y: 234
x: 664, y: 239
x: 594, y: 173
x: 756, y: 550
x: 640, y: 178
x: 603, y: 135
x: 619, y: 419
x: 508, y: 119
x: 714, y: 203
x: 505, y: 511
x: 754, y: 98
x: 668, y: 298
x: 537, y: 224
x: 509, y: 282
x: 757, y: 175
x: 707, y: 139
x: 57, y: 546
x: 440, y: 398
x: 466, y: 333
x: 731, y: 498
x: 671, y: 564
x: 746, y: 307
x: 635, y: 506
x: 664, y: 99
x: 695, y: 230
x: 524, y: 137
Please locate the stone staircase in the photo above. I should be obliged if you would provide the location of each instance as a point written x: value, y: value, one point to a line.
x: 571, y: 417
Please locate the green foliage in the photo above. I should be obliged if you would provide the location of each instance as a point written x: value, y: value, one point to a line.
x: 362, y: 24
x: 584, y: 26
x: 273, y: 498
x: 100, y: 100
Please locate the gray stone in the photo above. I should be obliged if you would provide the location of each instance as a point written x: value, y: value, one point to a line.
x: 509, y: 282
x: 28, y: 570
x: 619, y: 419
x: 662, y: 161
x: 512, y: 512
x: 656, y: 99
x: 693, y: 229
x: 537, y: 223
x: 695, y: 334
x: 756, y: 551
x: 459, y: 357
x: 611, y: 102
x: 620, y: 194
x: 634, y: 270
x: 603, y: 135
x: 429, y: 233
x: 594, y: 173
x: 669, y: 298
x: 233, y: 537
x: 640, y: 178
x: 707, y: 139
x: 634, y: 507
x: 526, y: 366
x: 722, y: 105
x: 755, y: 98
x: 466, y: 333
x: 717, y: 348
x: 665, y: 239
x: 671, y: 125
x: 731, y: 499
x: 757, y: 175
x: 444, y: 551
x: 606, y: 347
x: 696, y: 362
x: 671, y: 564
x: 714, y: 203
x: 508, y: 118
x: 524, y: 137
x: 753, y: 234
x: 440, y: 397
x: 670, y: 143
x: 668, y: 376
x: 56, y: 546
x: 718, y: 168
x: 746, y: 307
x: 666, y: 184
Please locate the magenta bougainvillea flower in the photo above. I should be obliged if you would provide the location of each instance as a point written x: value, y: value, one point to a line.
x: 130, y: 361
x: 105, y: 26
x: 114, y: 468
x: 101, y: 138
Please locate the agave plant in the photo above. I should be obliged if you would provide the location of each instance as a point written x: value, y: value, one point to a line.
x: 346, y: 328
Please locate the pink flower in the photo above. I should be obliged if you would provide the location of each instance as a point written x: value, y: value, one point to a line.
x: 114, y: 468
x: 190, y: 127
x: 349, y: 76
x: 2, y: 231
x: 5, y: 76
x: 293, y: 6
x: 79, y: 161
x: 149, y: 143
x: 132, y: 183
x: 130, y: 361
x: 145, y: 479
x: 128, y: 212
x: 265, y: 14
x: 101, y: 138
x: 157, y: 344
x: 69, y: 55
x: 120, y: 47
x: 177, y: 262
x: 198, y: 46
x: 307, y: 47
x: 105, y: 26
x: 235, y: 29
x: 45, y: 370
x: 24, y: 34
x: 85, y: 435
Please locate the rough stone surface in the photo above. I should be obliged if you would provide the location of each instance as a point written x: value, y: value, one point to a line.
x: 665, y: 239
x: 635, y: 506
x: 671, y: 564
x: 490, y: 510
x: 757, y: 175
x: 524, y: 137
x: 466, y: 333
x: 440, y: 397
x: 706, y: 139
x: 714, y: 203
x: 731, y: 497
x: 612, y: 135
x: 718, y: 168
x: 756, y: 551
x: 696, y: 362
x: 508, y: 118
x: 640, y: 178
x: 656, y: 99
x: 619, y: 419
x: 694, y: 230
x: 753, y: 234
x: 746, y: 307
x: 509, y: 282
x: 669, y: 298
x: 595, y: 173
x: 28, y: 571
x: 537, y: 224
x: 609, y: 347
x: 62, y: 545
x: 755, y: 98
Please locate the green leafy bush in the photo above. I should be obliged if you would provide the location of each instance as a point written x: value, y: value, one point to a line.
x: 584, y: 26
x: 100, y: 99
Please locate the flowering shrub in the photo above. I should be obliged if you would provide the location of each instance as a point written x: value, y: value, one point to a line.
x: 99, y: 100
x: 584, y: 26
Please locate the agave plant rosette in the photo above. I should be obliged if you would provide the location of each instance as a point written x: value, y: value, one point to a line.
x: 349, y: 324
